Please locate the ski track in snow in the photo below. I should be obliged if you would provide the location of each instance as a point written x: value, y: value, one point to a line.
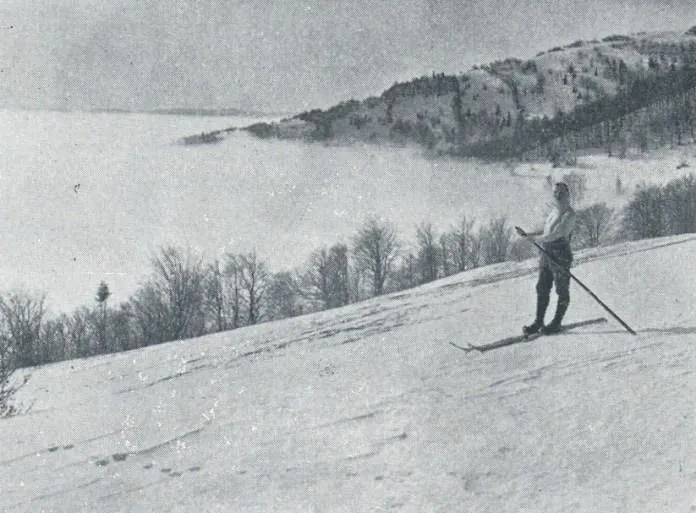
x: 369, y: 408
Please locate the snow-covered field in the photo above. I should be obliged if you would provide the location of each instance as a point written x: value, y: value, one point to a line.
x: 369, y: 407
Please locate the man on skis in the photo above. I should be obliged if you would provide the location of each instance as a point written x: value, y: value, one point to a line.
x: 555, y: 239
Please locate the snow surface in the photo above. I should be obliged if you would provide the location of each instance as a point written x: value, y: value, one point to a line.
x: 369, y: 407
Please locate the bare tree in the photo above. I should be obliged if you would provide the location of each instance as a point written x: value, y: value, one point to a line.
x: 215, y: 298
x: 356, y: 283
x: 326, y: 278
x: 254, y: 283
x: 655, y: 211
x: 179, y: 278
x: 54, y: 340
x: 338, y: 257
x: 496, y: 240
x: 77, y: 328
x: 233, y: 286
x: 6, y: 370
x: 462, y: 245
x: 283, y: 296
x: 476, y: 249
x: 445, y: 254
x: 680, y: 205
x: 317, y: 278
x: 22, y: 318
x: 374, y: 249
x: 592, y: 224
x: 150, y: 316
x: 428, y: 258
x: 121, y: 327
x: 7, y: 388
x: 174, y: 294
x: 405, y: 276
x: 644, y: 216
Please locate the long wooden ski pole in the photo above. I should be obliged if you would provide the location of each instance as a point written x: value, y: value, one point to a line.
x: 567, y: 271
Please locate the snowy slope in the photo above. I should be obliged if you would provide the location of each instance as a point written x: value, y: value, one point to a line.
x: 369, y: 408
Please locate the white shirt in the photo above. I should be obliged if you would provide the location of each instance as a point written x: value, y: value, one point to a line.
x: 559, y: 224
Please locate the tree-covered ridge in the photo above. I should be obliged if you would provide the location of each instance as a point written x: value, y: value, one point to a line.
x: 635, y: 90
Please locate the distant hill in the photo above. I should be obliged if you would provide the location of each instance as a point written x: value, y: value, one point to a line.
x: 621, y: 93
x: 184, y: 111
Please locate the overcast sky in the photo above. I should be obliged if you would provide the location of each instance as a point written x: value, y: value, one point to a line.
x: 280, y: 55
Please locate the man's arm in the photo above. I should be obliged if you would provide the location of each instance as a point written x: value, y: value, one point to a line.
x: 523, y: 233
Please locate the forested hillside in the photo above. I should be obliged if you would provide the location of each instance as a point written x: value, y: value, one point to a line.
x: 619, y: 94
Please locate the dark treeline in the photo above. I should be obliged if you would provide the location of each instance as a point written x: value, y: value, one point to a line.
x: 655, y: 106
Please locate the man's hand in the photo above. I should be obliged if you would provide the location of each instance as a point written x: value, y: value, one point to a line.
x: 520, y: 231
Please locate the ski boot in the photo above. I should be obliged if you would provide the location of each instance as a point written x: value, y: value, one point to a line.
x: 538, y: 324
x: 555, y: 325
x: 533, y: 328
x: 550, y: 329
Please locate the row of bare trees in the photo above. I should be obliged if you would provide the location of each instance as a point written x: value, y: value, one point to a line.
x: 185, y: 297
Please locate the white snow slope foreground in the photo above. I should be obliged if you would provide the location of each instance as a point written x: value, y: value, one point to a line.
x: 369, y: 408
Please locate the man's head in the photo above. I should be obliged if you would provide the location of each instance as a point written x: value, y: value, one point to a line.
x: 561, y: 192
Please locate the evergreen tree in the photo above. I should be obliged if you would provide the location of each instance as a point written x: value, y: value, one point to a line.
x: 103, y: 294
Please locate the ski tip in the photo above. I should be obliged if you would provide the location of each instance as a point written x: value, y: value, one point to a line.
x: 467, y: 349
